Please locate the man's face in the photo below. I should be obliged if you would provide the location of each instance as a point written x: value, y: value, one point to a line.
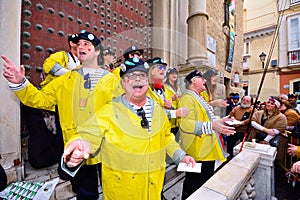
x: 235, y: 100
x: 292, y: 100
x: 199, y: 83
x: 86, y: 51
x: 246, y: 102
x: 135, y: 84
x: 109, y: 58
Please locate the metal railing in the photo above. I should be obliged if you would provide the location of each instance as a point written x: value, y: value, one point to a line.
x: 294, y: 56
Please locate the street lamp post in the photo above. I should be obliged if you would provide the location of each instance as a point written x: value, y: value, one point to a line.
x: 262, y: 57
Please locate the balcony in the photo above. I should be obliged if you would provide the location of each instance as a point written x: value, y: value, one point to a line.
x: 294, y: 56
x: 294, y: 2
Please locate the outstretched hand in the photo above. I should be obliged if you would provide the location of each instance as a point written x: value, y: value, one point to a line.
x: 76, y: 152
x: 11, y: 72
x: 220, y: 127
x: 188, y: 160
x: 219, y: 103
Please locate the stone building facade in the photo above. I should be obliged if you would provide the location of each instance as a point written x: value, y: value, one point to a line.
x: 289, y: 51
x: 259, y: 32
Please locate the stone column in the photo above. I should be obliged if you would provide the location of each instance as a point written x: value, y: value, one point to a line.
x: 10, y: 144
x: 161, y: 29
x: 197, y: 32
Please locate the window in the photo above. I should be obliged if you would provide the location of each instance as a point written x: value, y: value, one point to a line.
x: 293, y: 33
x: 296, y: 88
x: 226, y: 13
x: 245, y: 63
x: 246, y: 48
x: 246, y: 86
x: 293, y: 39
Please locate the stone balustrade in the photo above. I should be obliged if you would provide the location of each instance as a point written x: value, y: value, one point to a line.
x: 249, y: 175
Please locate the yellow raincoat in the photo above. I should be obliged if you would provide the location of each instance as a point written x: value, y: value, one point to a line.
x: 169, y: 92
x: 204, y: 147
x: 156, y: 97
x: 116, y: 71
x: 205, y: 96
x: 60, y: 58
x: 133, y: 159
x: 160, y: 101
x: 66, y: 92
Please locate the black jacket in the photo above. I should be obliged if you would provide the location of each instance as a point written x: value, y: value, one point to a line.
x: 3, y: 179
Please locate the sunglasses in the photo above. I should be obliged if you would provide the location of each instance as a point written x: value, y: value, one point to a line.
x: 144, y: 122
x: 162, y: 67
x: 272, y: 103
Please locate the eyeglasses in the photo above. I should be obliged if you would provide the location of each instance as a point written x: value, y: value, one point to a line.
x: 144, y: 122
x: 162, y: 67
x: 133, y: 76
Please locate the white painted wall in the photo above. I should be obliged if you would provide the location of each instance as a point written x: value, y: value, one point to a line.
x: 10, y: 21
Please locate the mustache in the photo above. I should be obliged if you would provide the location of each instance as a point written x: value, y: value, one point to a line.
x: 243, y: 105
x: 137, y: 84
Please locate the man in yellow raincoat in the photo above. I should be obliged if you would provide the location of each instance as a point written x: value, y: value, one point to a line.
x: 77, y: 94
x: 61, y: 62
x: 45, y: 149
x: 133, y: 137
x: 198, y: 133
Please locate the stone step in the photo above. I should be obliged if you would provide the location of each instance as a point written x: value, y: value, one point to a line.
x: 63, y: 190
